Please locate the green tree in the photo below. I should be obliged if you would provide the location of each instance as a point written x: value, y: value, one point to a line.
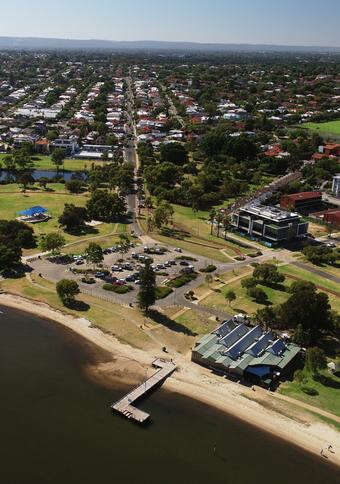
x: 174, y: 153
x: 230, y: 296
x: 58, y: 156
x: 105, y: 206
x: 268, y: 274
x: 93, y: 253
x: 43, y: 181
x: 315, y: 360
x: 307, y: 307
x: 212, y: 216
x: 74, y: 186
x: 18, y: 233
x: 10, y: 255
x: 73, y: 218
x: 147, y: 291
x: 162, y: 214
x: 266, y: 317
x: 66, y: 290
x: 209, y: 279
x: 248, y: 282
x: 258, y: 295
x: 124, y: 242
x: 52, y: 242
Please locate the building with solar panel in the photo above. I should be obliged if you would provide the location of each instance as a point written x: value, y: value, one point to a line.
x: 248, y: 352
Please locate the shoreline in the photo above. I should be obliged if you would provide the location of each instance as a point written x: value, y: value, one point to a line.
x: 191, y: 380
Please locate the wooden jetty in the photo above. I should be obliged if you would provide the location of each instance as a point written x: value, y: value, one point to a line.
x: 124, y: 407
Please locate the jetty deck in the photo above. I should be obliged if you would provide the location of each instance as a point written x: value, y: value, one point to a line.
x: 124, y: 407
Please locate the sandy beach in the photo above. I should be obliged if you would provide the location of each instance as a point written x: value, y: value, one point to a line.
x: 268, y: 411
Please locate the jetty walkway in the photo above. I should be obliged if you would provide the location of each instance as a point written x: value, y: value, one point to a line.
x: 124, y: 405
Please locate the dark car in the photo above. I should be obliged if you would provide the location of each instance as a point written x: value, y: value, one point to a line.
x: 100, y: 275
x: 184, y: 263
x: 110, y: 279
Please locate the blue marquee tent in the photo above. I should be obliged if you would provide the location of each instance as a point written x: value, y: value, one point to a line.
x: 30, y: 212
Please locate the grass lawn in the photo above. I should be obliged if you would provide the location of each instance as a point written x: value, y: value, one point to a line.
x: 317, y: 280
x: 309, y: 276
x: 120, y: 321
x: 193, y: 234
x: 333, y: 270
x: 328, y: 395
x: 318, y: 230
x: 332, y: 127
x: 197, y: 323
x: 44, y: 162
x: 243, y: 303
x: 12, y: 203
x: 16, y: 188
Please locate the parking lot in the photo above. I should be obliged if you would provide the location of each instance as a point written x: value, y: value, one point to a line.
x: 121, y: 269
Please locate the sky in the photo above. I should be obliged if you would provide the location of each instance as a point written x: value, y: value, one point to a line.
x: 284, y: 22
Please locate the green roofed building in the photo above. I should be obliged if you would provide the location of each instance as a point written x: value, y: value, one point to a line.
x: 238, y: 349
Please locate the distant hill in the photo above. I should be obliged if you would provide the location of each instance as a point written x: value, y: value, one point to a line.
x: 36, y: 43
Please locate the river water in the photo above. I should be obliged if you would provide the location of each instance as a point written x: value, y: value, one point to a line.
x: 49, y: 174
x: 56, y: 426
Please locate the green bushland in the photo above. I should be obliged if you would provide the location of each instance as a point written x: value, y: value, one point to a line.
x: 162, y: 292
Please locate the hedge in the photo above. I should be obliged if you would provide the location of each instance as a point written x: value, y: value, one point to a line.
x: 182, y: 280
x: 162, y: 292
x: 116, y: 288
x: 185, y: 257
x: 209, y: 268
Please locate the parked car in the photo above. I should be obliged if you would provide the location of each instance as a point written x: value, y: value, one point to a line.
x: 79, y: 262
x: 100, y: 275
x: 116, y: 268
x: 110, y: 279
x: 184, y: 263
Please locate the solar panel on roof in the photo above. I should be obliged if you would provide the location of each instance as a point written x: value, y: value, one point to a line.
x: 239, y: 346
x: 278, y: 347
x: 225, y: 328
x: 234, y: 335
x: 256, y: 348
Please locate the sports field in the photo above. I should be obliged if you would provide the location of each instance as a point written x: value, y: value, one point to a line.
x: 331, y: 127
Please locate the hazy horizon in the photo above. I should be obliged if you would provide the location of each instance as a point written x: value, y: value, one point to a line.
x: 218, y: 21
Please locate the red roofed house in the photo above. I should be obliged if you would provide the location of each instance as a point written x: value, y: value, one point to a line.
x: 332, y: 149
x: 304, y: 201
x: 332, y: 217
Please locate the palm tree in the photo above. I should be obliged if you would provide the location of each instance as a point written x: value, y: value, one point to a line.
x: 219, y: 218
x: 226, y: 224
x: 212, y: 216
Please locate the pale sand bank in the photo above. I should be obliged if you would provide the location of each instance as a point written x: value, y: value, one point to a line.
x: 129, y: 364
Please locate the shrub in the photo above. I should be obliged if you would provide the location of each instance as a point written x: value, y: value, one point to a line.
x: 240, y: 257
x: 185, y: 257
x: 309, y: 391
x: 299, y: 376
x: 117, y: 289
x: 162, y: 292
x: 258, y: 295
x: 182, y: 280
x: 209, y: 268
